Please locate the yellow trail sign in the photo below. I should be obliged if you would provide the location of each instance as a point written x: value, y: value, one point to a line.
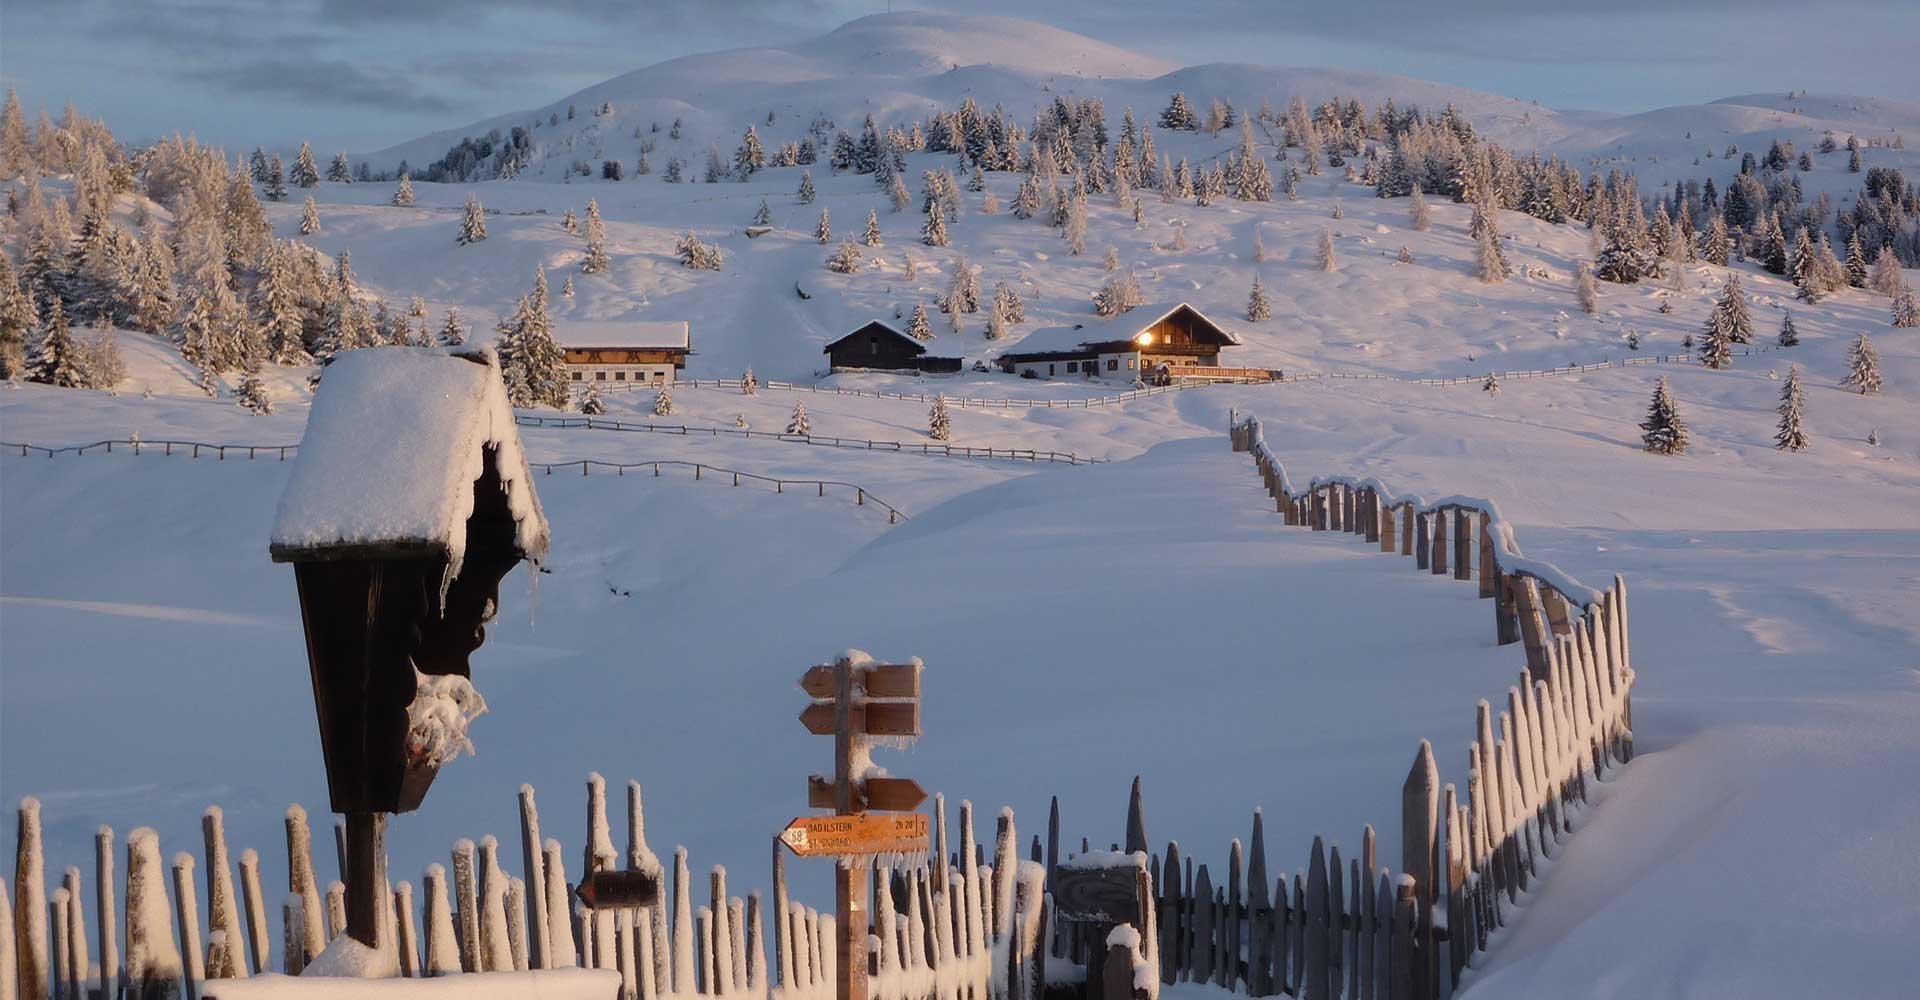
x: 865, y: 833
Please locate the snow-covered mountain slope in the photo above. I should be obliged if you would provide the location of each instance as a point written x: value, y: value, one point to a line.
x: 900, y: 67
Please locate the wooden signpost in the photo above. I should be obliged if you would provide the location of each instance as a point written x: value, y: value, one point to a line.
x: 853, y: 701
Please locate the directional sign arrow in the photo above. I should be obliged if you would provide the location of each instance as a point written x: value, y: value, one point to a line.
x: 878, y: 794
x: 867, y: 833
x: 881, y: 680
x: 881, y: 718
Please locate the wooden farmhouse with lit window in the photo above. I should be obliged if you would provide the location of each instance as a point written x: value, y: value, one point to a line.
x: 648, y: 352
x: 1160, y: 342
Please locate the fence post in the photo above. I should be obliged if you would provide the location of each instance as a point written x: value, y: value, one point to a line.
x: 1489, y: 573
x: 1462, y: 546
x: 1437, y: 553
x: 1531, y: 633
x: 1423, y: 546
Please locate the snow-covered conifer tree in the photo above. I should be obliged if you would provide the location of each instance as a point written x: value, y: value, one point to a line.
x: 908, y: 269
x: 1325, y: 259
x: 897, y: 195
x: 591, y: 404
x: 845, y: 259
x: 566, y: 287
x: 1906, y: 314
x: 1492, y: 384
x: 453, y: 332
x: 1863, y: 367
x: 281, y: 318
x: 1791, y: 436
x: 871, y: 237
x: 939, y: 424
x: 919, y: 326
x: 1585, y: 291
x: 1075, y: 230
x: 1251, y: 180
x: 1666, y: 433
x: 1856, y: 260
x: 597, y: 261
x: 252, y: 394
x: 823, y: 231
x: 806, y: 192
x: 750, y: 157
x: 1008, y: 302
x: 305, y: 172
x: 473, y: 225
x: 1111, y: 262
x: 1716, y: 246
x: 1258, y: 309
x: 799, y: 424
x: 57, y: 357
x: 763, y: 216
x: 276, y: 182
x: 1789, y: 336
x: 963, y: 292
x: 749, y: 384
x: 1119, y: 294
x: 1885, y: 277
x: 403, y: 195
x: 309, y: 218
x: 934, y: 232
x: 663, y: 402
x: 337, y: 171
x: 1420, y: 217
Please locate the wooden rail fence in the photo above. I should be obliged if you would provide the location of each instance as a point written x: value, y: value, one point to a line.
x: 940, y: 449
x: 702, y: 471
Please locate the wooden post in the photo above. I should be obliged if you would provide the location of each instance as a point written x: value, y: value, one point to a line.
x: 1462, y: 545
x: 1437, y: 557
x: 366, y: 876
x: 1506, y: 617
x: 1406, y: 529
x: 1422, y: 544
x: 1527, y: 600
x: 1489, y: 568
x: 1556, y: 607
x: 1318, y: 981
x: 850, y: 879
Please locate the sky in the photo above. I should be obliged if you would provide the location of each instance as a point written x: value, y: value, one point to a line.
x: 363, y: 74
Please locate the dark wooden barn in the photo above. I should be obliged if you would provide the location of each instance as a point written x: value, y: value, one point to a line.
x: 879, y: 347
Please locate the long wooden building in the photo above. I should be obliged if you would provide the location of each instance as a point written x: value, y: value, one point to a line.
x: 877, y: 346
x: 650, y: 352
x: 1135, y: 344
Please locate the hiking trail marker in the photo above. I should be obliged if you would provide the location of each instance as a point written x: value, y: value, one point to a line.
x: 853, y: 699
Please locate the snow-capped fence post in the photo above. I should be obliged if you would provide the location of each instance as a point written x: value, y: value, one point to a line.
x: 1532, y: 636
x: 31, y: 967
x: 1489, y: 570
x: 1437, y: 551
x: 1462, y: 545
x: 1422, y: 533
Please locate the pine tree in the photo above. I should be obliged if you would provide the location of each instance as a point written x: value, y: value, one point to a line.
x: 939, y: 424
x: 823, y: 231
x: 276, y: 181
x: 252, y: 394
x: 871, y: 237
x: 1585, y: 291
x: 1906, y: 314
x: 750, y: 157
x: 845, y: 259
x: 281, y: 317
x: 566, y: 287
x: 1111, y: 262
x: 663, y: 402
x: 989, y: 203
x: 1716, y: 246
x: 1251, y: 181
x: 337, y: 171
x: 1789, y: 336
x: 473, y: 225
x: 1258, y: 309
x: 591, y: 404
x: 596, y: 235
x: 57, y: 358
x: 908, y: 269
x: 919, y: 326
x: 998, y: 325
x: 1492, y: 384
x: 806, y: 193
x: 963, y: 292
x: 1863, y: 367
x: 1885, y: 277
x: 799, y: 424
x: 1325, y: 259
x: 1728, y: 324
x: 309, y: 218
x: 453, y: 332
x: 1856, y: 261
x: 1666, y: 433
x: 305, y: 173
x: 696, y: 255
x: 749, y: 384
x: 1075, y: 229
x: 934, y: 232
x: 1791, y: 436
x: 1420, y: 216
x: 403, y: 195
x: 764, y: 215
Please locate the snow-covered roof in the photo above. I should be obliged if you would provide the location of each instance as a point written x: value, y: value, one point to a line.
x: 1125, y: 326
x: 394, y: 443
x: 617, y: 333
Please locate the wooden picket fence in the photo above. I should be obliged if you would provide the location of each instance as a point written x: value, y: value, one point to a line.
x: 1567, y: 722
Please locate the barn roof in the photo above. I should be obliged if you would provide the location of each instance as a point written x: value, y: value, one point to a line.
x: 1126, y: 326
x: 623, y: 333
x: 881, y: 326
x: 395, y: 440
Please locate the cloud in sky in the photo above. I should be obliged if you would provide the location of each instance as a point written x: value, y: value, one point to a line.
x: 364, y: 73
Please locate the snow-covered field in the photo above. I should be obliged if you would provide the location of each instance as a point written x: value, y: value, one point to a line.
x: 1080, y: 624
